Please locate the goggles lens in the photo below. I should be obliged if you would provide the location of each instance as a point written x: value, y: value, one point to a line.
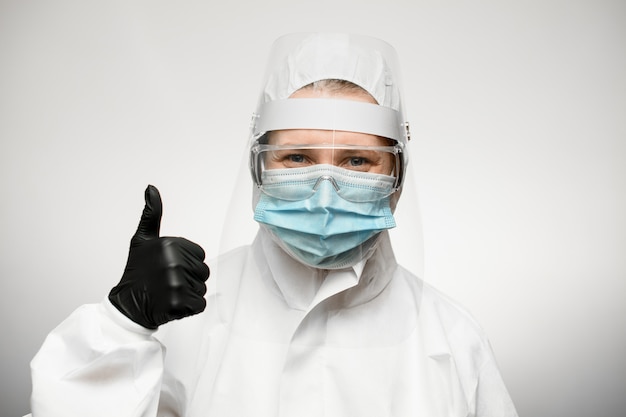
x: 358, y: 173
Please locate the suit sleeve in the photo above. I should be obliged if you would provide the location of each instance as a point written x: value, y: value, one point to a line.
x: 492, y: 396
x: 98, y: 363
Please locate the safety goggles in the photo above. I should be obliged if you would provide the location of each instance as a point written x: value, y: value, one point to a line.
x: 295, y: 172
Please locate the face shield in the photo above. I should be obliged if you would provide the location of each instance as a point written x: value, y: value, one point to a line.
x: 328, y: 147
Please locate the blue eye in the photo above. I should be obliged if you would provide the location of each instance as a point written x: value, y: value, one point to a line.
x: 297, y: 158
x: 356, y: 162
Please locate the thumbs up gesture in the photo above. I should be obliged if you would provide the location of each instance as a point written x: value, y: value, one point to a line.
x: 164, y: 278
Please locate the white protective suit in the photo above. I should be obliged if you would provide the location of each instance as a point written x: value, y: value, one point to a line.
x: 279, y: 338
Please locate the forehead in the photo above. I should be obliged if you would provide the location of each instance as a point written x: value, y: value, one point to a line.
x: 324, y: 137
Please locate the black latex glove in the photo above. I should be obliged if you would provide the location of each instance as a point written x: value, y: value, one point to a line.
x: 164, y: 277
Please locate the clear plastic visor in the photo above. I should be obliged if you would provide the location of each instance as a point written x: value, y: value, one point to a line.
x: 358, y: 173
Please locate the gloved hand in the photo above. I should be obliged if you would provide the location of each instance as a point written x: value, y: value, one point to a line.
x: 164, y: 278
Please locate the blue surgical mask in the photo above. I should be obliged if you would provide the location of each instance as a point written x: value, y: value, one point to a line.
x: 325, y: 216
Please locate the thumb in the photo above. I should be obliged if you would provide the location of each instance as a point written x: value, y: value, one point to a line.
x: 150, y: 222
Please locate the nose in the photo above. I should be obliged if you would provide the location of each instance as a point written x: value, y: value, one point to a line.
x: 326, y: 156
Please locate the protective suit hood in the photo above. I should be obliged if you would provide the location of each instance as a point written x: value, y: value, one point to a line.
x: 320, y: 56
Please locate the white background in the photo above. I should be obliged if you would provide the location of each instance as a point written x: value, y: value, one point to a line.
x: 518, y: 112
